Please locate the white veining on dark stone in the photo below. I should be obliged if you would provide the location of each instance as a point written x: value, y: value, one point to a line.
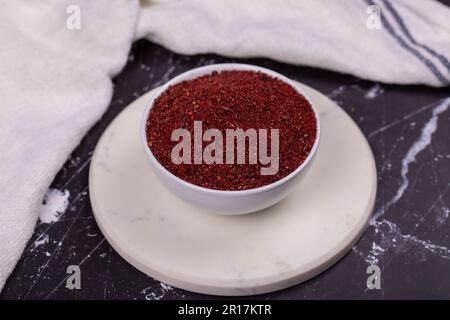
x: 391, y: 235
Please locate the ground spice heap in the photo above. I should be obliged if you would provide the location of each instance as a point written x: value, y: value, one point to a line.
x: 231, y: 100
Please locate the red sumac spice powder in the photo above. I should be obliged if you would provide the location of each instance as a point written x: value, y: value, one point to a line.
x: 230, y: 100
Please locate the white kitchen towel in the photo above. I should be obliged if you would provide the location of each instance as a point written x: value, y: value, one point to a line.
x: 55, y: 79
x: 55, y: 82
x: 412, y: 45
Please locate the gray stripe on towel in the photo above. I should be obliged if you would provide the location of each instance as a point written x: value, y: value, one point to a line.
x: 428, y: 63
x: 408, y: 34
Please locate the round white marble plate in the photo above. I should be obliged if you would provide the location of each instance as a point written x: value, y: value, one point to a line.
x: 192, y: 249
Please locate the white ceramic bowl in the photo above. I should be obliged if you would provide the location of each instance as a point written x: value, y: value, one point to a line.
x: 220, y: 201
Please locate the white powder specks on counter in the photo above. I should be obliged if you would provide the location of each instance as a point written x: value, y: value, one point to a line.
x: 374, y: 92
x: 156, y: 293
x: 41, y: 240
x: 55, y: 204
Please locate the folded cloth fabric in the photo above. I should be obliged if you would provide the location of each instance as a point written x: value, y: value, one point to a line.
x: 55, y: 75
x: 412, y: 45
x: 55, y: 82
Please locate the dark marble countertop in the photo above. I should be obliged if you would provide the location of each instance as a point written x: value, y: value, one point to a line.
x: 408, y: 129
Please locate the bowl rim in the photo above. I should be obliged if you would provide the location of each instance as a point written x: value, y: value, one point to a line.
x: 208, y: 69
